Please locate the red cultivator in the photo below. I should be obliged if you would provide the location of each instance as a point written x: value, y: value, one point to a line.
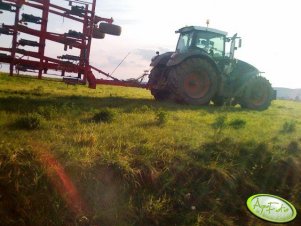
x: 93, y: 26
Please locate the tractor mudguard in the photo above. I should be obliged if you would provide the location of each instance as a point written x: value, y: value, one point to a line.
x: 178, y: 58
x: 243, y: 68
x: 161, y: 59
x: 240, y: 76
x: 242, y: 72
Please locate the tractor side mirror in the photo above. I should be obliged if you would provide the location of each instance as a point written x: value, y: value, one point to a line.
x: 239, y: 43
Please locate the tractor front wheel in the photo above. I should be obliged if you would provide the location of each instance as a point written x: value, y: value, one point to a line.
x: 258, y: 94
x: 193, y: 81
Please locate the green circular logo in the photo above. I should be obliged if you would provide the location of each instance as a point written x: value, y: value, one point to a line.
x: 271, y: 208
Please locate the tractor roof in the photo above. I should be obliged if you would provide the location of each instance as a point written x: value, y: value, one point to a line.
x: 199, y: 28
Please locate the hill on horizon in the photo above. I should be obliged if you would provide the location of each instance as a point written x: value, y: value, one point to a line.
x: 287, y: 93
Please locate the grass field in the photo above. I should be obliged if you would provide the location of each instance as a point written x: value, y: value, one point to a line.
x: 114, y: 156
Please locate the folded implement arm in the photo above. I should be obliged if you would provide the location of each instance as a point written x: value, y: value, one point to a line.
x: 81, y: 11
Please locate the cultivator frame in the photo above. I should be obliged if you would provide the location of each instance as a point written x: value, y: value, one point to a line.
x: 82, y: 11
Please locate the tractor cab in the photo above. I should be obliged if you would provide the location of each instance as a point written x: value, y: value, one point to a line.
x: 211, y: 41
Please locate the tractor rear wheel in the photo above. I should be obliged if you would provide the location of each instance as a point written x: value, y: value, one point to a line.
x: 194, y: 81
x: 160, y: 95
x: 155, y: 86
x: 258, y: 94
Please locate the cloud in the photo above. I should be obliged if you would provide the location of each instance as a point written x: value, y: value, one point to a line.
x: 147, y: 54
x: 125, y: 21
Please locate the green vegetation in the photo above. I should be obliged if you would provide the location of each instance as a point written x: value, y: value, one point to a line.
x: 161, y: 117
x: 31, y: 121
x: 105, y: 115
x: 288, y: 127
x: 150, y: 163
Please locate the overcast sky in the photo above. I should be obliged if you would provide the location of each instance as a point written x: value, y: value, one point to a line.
x: 270, y: 32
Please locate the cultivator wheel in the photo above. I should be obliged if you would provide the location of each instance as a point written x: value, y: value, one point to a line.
x: 110, y: 29
x: 258, y: 94
x: 194, y: 81
x: 158, y: 87
x: 97, y: 34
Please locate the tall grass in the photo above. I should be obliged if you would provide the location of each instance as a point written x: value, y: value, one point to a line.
x: 147, y: 163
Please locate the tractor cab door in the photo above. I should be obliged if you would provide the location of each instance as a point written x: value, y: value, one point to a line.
x: 232, y: 47
x: 229, y: 62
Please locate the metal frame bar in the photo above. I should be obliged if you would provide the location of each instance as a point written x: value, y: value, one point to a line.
x: 14, y: 41
x: 43, y: 35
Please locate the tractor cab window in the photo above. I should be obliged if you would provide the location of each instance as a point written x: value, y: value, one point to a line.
x: 212, y: 43
x: 184, y: 42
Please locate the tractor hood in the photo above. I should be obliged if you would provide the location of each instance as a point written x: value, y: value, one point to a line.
x: 161, y: 59
x: 177, y: 57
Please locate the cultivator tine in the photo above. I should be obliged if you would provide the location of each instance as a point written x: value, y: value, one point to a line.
x: 5, y: 30
x: 29, y: 18
x: 25, y: 68
x: 74, y: 34
x: 69, y: 57
x: 77, y: 11
x: 3, y: 55
x: 7, y: 7
x: 24, y: 42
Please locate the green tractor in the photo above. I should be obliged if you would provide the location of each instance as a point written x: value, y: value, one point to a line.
x: 200, y: 71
